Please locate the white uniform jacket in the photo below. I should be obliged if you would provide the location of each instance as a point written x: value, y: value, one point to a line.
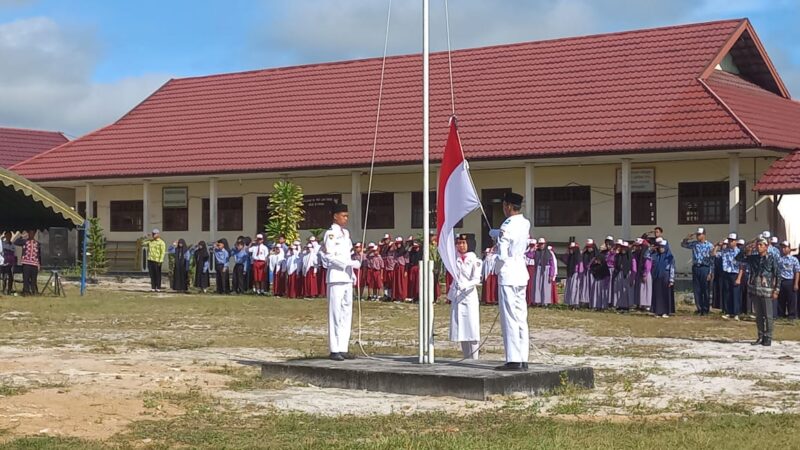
x: 465, y: 324
x: 336, y: 251
x: 511, y: 246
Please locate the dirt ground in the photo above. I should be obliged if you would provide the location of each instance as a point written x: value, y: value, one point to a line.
x: 90, y: 392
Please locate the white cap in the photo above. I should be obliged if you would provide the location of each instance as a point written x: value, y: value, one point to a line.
x: 662, y: 243
x: 357, y: 244
x: 155, y: 231
x: 732, y: 236
x: 259, y: 236
x: 309, y: 245
x: 488, y: 250
x: 609, y: 238
x: 573, y: 244
x: 312, y: 238
x: 741, y: 241
x: 410, y: 238
x: 660, y: 240
x: 639, y: 241
x: 296, y: 243
x: 785, y: 244
x: 398, y: 239
x: 542, y: 241
x: 619, y: 242
x: 531, y: 241
x: 590, y: 242
x: 774, y: 239
x: 387, y: 236
x: 701, y: 230
x: 766, y: 234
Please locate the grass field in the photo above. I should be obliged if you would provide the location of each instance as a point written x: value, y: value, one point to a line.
x: 107, y: 324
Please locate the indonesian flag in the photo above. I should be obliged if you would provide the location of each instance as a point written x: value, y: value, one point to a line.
x: 455, y: 199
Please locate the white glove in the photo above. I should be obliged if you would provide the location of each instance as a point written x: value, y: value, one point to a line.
x: 494, y: 233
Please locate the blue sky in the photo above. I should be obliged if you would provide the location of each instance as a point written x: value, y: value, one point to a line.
x: 78, y: 65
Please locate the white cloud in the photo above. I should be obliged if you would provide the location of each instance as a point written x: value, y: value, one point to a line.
x: 46, y: 80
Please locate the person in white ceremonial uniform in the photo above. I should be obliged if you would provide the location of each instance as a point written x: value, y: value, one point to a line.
x: 340, y: 277
x: 465, y: 323
x: 512, y: 278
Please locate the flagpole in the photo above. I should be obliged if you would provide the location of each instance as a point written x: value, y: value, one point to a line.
x: 425, y: 302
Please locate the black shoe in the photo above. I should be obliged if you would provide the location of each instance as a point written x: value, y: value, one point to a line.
x: 336, y: 357
x: 348, y: 355
x: 511, y: 366
x: 758, y: 341
x: 525, y: 366
x: 766, y: 342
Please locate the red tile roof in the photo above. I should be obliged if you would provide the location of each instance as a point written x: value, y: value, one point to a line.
x: 616, y: 93
x: 17, y: 145
x: 782, y: 177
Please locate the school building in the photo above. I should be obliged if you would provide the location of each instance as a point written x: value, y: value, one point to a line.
x: 604, y: 134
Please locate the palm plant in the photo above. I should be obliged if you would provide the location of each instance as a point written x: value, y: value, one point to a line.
x: 285, y: 211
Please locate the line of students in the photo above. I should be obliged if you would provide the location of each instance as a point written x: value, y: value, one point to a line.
x: 619, y: 274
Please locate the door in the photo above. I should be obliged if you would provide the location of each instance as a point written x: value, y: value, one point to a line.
x: 492, y: 200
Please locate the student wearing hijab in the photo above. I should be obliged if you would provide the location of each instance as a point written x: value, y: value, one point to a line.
x: 489, y: 288
x: 465, y: 325
x: 374, y: 268
x: 202, y: 266
x: 588, y: 283
x: 310, y: 272
x: 275, y: 260
x: 545, y: 274
x: 624, y: 277
x: 412, y: 268
x: 572, y: 284
x: 180, y: 273
x: 663, y: 274
x: 602, y: 280
x: 643, y: 289
x: 530, y: 264
x: 294, y: 264
x: 400, y: 280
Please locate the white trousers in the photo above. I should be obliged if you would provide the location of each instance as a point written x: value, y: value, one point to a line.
x: 340, y: 316
x: 470, y: 349
x: 514, y: 322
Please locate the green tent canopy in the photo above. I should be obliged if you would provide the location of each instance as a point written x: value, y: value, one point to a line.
x: 24, y: 205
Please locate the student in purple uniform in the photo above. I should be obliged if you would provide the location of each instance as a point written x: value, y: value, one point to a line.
x: 572, y: 284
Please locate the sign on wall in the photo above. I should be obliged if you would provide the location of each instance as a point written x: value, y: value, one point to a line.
x: 642, y: 180
x: 175, y: 197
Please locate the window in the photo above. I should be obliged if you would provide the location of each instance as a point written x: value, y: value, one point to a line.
x: 82, y: 209
x: 175, y: 208
x: 126, y: 215
x: 381, y: 209
x: 229, y: 214
x: 562, y: 206
x: 643, y: 208
x: 416, y: 211
x: 318, y: 210
x: 705, y: 203
x: 262, y: 213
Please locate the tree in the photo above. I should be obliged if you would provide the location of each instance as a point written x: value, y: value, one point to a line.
x: 285, y: 211
x: 96, y: 249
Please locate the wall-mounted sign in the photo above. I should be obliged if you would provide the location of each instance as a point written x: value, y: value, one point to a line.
x: 175, y: 197
x: 642, y: 180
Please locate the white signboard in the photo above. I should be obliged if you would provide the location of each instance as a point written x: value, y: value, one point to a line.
x: 175, y: 197
x: 642, y: 180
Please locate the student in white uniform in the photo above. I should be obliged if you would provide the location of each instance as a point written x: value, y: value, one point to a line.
x: 512, y: 239
x: 465, y: 323
x: 340, y: 277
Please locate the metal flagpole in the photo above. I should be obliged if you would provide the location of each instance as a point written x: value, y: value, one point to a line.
x: 426, y: 302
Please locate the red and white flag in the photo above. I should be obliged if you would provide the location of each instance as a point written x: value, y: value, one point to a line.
x: 455, y: 198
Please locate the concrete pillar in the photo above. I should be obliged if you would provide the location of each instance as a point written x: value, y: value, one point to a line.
x: 145, y: 207
x: 212, y: 209
x: 733, y: 192
x: 626, y: 198
x: 89, y: 203
x: 356, y: 225
x: 529, y: 192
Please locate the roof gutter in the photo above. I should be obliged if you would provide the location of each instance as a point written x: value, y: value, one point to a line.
x: 730, y: 111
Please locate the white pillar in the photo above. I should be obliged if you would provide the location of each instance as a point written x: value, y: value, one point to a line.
x: 212, y: 209
x: 145, y: 206
x: 89, y: 203
x: 733, y: 192
x: 356, y: 226
x: 530, y: 187
x: 626, y: 198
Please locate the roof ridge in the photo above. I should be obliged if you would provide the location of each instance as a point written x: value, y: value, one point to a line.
x: 34, y: 130
x: 730, y: 112
x: 486, y: 47
x: 38, y: 155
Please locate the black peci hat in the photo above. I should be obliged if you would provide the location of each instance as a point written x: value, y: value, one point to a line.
x: 513, y: 199
x: 340, y: 208
x: 461, y: 237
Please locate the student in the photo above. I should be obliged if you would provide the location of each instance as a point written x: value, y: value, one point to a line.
x: 259, y: 255
x: 241, y: 261
x: 725, y: 256
x: 643, y: 289
x: 701, y: 268
x: 221, y: 257
x: 489, y: 277
x: 624, y: 277
x: 663, y: 275
x: 388, y: 254
x: 374, y: 272
x: 545, y: 274
x: 400, y: 279
x: 360, y: 273
x: 602, y: 280
x: 463, y: 295
x: 294, y: 269
x: 530, y: 264
x: 412, y: 268
x: 9, y: 263
x: 588, y: 282
x: 180, y: 273
x: 31, y: 262
x: 276, y: 258
x: 610, y: 255
x: 202, y: 267
x: 310, y: 269
x: 574, y: 263
x: 789, y: 283
x: 156, y: 250
x: 322, y: 274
